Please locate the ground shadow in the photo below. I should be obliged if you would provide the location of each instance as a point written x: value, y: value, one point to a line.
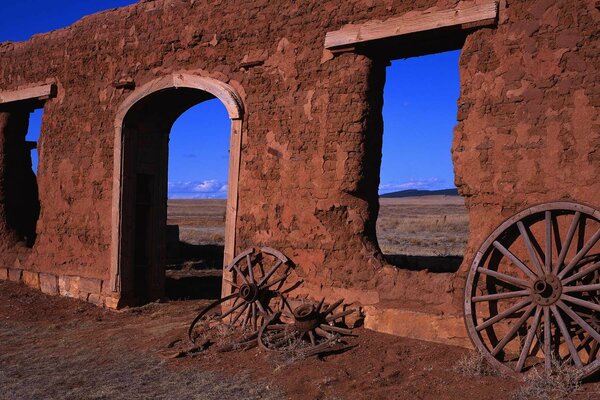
x: 430, y: 263
x: 193, y: 271
x: 192, y: 287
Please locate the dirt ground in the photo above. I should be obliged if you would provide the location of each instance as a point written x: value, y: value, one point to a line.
x: 59, y: 348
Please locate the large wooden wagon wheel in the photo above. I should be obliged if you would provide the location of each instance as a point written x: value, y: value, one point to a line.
x: 258, y: 276
x: 532, y: 296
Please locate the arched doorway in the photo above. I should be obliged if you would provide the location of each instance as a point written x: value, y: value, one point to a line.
x: 140, y: 179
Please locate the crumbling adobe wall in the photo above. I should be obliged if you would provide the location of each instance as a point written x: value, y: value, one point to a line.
x: 529, y: 127
x: 527, y: 131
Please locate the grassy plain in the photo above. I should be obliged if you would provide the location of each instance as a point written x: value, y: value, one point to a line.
x: 415, y: 226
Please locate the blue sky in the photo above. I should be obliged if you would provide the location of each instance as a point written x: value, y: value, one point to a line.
x: 419, y: 113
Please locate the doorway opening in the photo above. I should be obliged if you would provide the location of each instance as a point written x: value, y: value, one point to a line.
x: 197, y: 201
x: 151, y: 240
x: 422, y: 221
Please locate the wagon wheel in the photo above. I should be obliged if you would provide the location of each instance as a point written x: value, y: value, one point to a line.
x: 257, y: 276
x: 532, y: 295
x: 314, y: 329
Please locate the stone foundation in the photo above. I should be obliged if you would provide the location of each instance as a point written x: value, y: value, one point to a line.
x: 86, y: 289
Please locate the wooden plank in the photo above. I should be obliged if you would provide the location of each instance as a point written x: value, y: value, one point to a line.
x: 428, y: 20
x: 235, y: 151
x: 42, y: 92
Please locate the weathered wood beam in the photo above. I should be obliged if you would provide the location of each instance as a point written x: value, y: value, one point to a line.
x: 466, y: 18
x: 42, y: 92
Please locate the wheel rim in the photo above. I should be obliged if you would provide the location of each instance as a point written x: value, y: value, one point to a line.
x: 533, y: 290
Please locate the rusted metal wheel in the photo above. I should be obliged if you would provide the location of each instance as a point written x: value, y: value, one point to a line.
x: 532, y: 296
x: 258, y: 276
x: 314, y: 329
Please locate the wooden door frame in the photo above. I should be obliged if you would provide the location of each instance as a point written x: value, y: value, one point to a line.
x: 235, y: 108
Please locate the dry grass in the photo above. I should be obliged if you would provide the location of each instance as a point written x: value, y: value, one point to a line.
x: 474, y: 364
x: 200, y: 221
x: 561, y: 383
x: 425, y: 226
x: 84, y: 361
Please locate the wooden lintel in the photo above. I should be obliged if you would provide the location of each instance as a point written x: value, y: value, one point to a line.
x: 42, y: 92
x: 473, y: 16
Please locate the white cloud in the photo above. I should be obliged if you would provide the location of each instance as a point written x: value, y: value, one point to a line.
x: 207, y: 189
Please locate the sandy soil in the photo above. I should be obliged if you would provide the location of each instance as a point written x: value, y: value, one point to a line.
x: 58, y: 348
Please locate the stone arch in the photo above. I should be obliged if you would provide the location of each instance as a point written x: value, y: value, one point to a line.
x: 186, y: 81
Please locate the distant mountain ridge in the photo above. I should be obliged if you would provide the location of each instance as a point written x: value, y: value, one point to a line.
x: 420, y: 193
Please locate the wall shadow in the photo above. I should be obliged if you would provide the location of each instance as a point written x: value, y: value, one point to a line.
x: 435, y: 264
x: 193, y: 271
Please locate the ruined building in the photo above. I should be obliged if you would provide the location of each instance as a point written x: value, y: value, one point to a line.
x: 303, y: 85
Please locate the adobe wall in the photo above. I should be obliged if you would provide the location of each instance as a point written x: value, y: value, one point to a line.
x: 528, y: 129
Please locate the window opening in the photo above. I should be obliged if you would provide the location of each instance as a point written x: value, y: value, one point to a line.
x: 422, y: 222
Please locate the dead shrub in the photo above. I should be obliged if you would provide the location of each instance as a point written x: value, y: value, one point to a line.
x: 474, y: 364
x: 560, y: 383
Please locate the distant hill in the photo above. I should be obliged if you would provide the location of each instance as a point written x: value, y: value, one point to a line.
x: 420, y: 193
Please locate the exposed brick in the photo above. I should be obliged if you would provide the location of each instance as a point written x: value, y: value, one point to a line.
x: 90, y: 285
x: 49, y: 283
x: 31, y: 279
x: 95, y: 299
x: 15, y: 275
x: 68, y: 286
x: 111, y: 302
x: 3, y: 274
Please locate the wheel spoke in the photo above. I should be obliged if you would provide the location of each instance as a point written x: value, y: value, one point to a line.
x: 580, y: 302
x: 582, y: 273
x: 567, y: 242
x: 271, y: 272
x: 582, y: 288
x: 254, y: 316
x: 502, y: 315
x: 320, y: 305
x: 547, y: 340
x: 239, y: 314
x: 332, y: 307
x: 276, y: 281
x: 594, y: 351
x: 247, y: 317
x: 515, y: 260
x: 339, y: 315
x: 532, y: 253
x: 232, y: 309
x: 548, y: 252
x: 503, y: 277
x: 591, y: 331
x: 500, y: 296
x: 249, y: 267
x: 336, y: 329
x: 230, y: 283
x: 260, y: 307
x: 311, y: 336
x: 580, y: 254
x: 529, y: 339
x: 237, y: 269
x: 324, y: 334
x: 508, y: 337
x: 566, y: 336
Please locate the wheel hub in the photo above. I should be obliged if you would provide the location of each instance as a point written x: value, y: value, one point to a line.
x: 306, y: 317
x: 249, y: 292
x: 547, y: 290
